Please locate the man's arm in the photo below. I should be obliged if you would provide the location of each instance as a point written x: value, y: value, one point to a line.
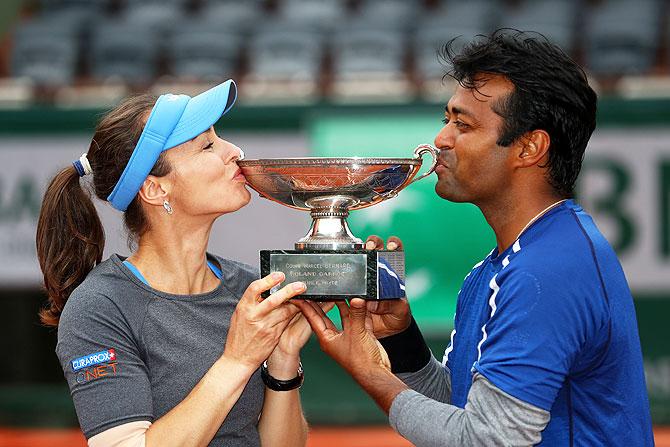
x: 412, y: 361
x: 490, y: 417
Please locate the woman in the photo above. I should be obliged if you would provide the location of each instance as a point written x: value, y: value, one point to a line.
x: 164, y: 347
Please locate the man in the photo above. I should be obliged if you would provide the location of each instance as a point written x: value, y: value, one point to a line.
x: 545, y: 347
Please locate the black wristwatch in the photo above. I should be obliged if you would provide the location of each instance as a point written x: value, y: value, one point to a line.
x: 282, y: 385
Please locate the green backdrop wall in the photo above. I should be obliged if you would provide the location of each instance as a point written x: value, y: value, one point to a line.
x: 443, y: 241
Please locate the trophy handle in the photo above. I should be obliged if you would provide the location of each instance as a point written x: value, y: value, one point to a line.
x: 418, y: 153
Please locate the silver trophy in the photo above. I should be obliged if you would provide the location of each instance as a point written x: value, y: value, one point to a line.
x: 329, y: 258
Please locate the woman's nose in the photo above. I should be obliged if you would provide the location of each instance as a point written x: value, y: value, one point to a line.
x: 233, y: 153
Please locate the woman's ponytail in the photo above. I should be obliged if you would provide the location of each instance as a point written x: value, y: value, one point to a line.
x: 70, y: 240
x: 70, y: 237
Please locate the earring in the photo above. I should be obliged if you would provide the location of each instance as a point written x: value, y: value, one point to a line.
x: 167, y: 206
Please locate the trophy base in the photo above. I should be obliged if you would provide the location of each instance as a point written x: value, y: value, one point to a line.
x: 339, y: 275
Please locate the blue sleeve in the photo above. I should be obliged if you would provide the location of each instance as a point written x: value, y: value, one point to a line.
x: 532, y: 337
x: 389, y: 283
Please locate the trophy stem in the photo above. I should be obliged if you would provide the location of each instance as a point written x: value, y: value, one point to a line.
x: 329, y: 230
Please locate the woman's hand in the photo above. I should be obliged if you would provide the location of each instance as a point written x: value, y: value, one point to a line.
x: 257, y: 323
x: 285, y: 358
x: 389, y: 317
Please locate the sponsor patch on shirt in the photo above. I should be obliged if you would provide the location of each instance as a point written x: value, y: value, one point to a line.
x: 96, y: 358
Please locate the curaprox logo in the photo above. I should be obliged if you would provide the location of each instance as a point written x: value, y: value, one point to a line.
x: 96, y: 358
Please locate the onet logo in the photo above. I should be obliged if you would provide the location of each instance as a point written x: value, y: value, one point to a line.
x: 97, y: 372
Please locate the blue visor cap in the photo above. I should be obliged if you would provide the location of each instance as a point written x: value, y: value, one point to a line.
x: 174, y: 119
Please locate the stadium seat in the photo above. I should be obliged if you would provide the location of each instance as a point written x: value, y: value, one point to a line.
x: 433, y: 31
x: 231, y: 16
x: 397, y: 15
x: 123, y: 52
x: 199, y: 53
x: 474, y: 15
x: 48, y: 6
x: 285, y: 55
x: 555, y: 19
x: 45, y: 51
x: 370, y: 52
x: 313, y: 14
x: 622, y: 37
x: 156, y: 17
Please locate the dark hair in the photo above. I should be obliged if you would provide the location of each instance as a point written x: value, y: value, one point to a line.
x: 551, y: 93
x: 70, y: 238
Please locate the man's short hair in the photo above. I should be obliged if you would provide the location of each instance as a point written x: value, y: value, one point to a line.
x: 551, y: 93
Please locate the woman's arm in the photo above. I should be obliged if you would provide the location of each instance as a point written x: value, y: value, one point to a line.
x: 255, y: 329
x: 282, y: 422
x: 195, y: 420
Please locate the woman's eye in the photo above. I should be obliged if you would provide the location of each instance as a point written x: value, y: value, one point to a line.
x: 445, y: 121
x: 461, y: 124
x: 209, y: 146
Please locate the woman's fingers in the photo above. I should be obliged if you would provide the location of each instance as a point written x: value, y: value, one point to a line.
x: 313, y: 318
x: 281, y: 296
x: 329, y: 324
x: 316, y: 317
x: 261, y: 285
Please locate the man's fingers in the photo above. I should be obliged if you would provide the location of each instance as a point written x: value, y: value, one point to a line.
x: 261, y: 285
x: 344, y: 313
x: 394, y: 243
x: 282, y: 295
x: 326, y: 306
x: 374, y: 242
x: 357, y: 314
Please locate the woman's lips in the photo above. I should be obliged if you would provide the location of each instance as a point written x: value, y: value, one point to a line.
x: 239, y: 176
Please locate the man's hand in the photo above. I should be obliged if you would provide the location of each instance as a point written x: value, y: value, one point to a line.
x: 389, y: 317
x: 355, y: 348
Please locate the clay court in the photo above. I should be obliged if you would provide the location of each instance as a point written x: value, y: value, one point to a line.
x: 319, y: 437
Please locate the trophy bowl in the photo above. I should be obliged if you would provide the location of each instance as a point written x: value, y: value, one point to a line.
x: 331, y: 187
x: 329, y: 258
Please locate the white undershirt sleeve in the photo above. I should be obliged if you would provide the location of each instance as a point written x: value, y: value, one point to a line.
x: 131, y: 434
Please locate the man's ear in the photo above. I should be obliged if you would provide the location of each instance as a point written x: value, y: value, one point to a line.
x: 533, y: 148
x: 155, y: 190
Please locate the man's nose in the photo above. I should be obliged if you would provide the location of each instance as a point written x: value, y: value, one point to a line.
x: 444, y: 139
